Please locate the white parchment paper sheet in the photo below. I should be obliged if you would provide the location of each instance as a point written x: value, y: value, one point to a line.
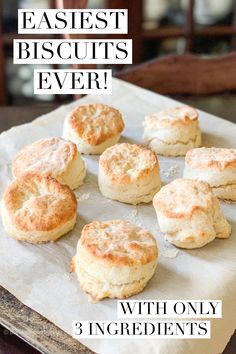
x: 38, y: 275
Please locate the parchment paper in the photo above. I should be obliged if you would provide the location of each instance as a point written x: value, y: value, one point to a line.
x: 38, y: 275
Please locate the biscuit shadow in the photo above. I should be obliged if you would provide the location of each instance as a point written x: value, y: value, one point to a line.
x: 72, y: 237
x: 93, y: 158
x: 91, y: 179
x: 164, y: 275
x: 125, y: 139
x: 230, y: 220
x: 160, y: 281
x: 61, y: 251
x: 215, y: 140
x: 79, y: 226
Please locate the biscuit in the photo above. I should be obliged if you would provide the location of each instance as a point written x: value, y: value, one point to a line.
x: 114, y: 259
x: 189, y: 214
x: 216, y: 166
x: 129, y: 173
x: 173, y: 131
x: 53, y: 157
x: 93, y: 127
x: 38, y: 209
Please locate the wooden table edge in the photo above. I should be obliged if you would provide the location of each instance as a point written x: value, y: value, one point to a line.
x: 35, y: 329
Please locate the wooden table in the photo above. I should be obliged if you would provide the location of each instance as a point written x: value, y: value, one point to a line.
x: 36, y: 333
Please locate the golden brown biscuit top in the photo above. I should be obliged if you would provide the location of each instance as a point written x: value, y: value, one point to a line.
x: 96, y: 123
x: 50, y: 156
x: 123, y: 163
x: 182, y: 197
x: 37, y: 203
x: 172, y: 116
x: 211, y: 157
x: 118, y: 242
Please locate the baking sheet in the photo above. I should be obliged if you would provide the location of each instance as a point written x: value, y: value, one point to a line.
x: 38, y: 275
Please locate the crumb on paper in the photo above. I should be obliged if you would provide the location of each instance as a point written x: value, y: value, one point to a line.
x: 90, y: 182
x: 83, y: 197
x: 134, y: 212
x: 133, y: 215
x: 170, y: 253
x: 67, y: 276
x: 171, y: 172
x: 139, y: 224
x: 72, y: 265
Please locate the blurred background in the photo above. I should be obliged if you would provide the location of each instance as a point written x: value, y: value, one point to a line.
x: 158, y: 28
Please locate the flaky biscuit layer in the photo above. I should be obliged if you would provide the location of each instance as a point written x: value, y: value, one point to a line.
x: 53, y: 157
x: 217, y: 158
x: 93, y: 127
x: 114, y: 258
x: 129, y: 173
x: 173, y: 131
x: 216, y: 166
x: 189, y: 214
